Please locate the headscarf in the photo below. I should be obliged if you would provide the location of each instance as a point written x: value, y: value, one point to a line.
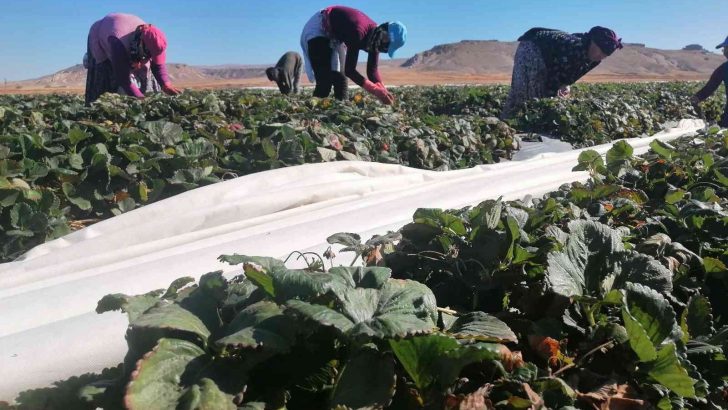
x: 397, y: 36
x: 148, y: 43
x: 377, y: 37
x: 606, y: 39
x: 156, y: 42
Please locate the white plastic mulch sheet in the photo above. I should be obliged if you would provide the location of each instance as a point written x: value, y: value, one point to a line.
x: 49, y: 330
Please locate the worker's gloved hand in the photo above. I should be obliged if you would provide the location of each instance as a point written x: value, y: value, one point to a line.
x: 169, y: 89
x: 380, y: 92
x: 381, y: 85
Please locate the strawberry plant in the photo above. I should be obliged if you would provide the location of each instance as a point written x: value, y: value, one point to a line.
x: 608, y: 294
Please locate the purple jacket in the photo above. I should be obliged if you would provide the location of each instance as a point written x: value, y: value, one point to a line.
x: 109, y: 39
x: 352, y: 27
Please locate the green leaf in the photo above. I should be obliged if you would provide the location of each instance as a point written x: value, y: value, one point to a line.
x: 269, y: 148
x: 713, y: 265
x: 76, y: 135
x: 638, y: 338
x: 556, y: 392
x: 133, y: 306
x: 674, y: 196
x: 155, y: 384
x: 170, y: 318
x: 258, y: 269
x: 589, y: 160
x: 669, y: 372
x: 361, y: 276
x: 327, y: 155
x: 453, y: 361
x: 440, y: 219
x: 8, y: 197
x: 126, y: 205
x: 439, y: 359
x: 638, y: 268
x: 163, y: 132
x: 399, y: 309
x: 206, y: 396
x: 579, y: 269
x: 367, y: 381
x: 652, y: 311
x: 197, y: 148
x: 487, y: 214
x: 418, y: 355
x: 594, y: 262
x: 663, y: 149
x: 70, y: 191
x: 697, y: 318
x: 261, y: 326
x: 176, y: 285
x: 346, y: 239
x: 619, y: 156
x: 720, y: 177
x: 483, y: 327
x: 305, y: 285
x: 254, y: 405
x: 513, y: 235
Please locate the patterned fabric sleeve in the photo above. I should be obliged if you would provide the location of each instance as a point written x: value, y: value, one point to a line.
x: 565, y: 55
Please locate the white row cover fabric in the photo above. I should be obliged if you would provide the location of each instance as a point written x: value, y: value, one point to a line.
x: 49, y: 330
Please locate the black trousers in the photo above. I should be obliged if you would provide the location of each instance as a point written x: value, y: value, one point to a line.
x: 320, y: 52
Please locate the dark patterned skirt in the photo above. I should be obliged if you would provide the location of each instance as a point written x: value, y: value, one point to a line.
x: 529, y: 78
x: 100, y: 79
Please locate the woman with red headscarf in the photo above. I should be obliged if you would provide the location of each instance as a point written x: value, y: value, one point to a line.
x: 123, y: 50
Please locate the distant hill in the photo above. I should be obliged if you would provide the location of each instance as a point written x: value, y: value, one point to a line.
x: 496, y: 57
x: 234, y: 71
x: 470, y: 56
x: 75, y: 76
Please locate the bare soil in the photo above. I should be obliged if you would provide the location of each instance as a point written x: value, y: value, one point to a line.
x: 392, y: 76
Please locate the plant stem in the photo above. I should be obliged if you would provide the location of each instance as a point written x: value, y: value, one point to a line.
x: 606, y: 345
x: 449, y: 311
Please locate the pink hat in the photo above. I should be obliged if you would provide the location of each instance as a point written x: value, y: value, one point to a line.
x: 156, y: 43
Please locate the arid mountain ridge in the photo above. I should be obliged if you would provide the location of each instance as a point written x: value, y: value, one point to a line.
x: 472, y: 59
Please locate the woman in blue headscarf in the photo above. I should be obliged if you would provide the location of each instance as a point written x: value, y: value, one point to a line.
x: 335, y: 26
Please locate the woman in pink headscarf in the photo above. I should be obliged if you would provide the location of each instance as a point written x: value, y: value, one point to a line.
x: 123, y: 50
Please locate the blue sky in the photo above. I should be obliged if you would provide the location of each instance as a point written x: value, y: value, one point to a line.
x: 38, y: 37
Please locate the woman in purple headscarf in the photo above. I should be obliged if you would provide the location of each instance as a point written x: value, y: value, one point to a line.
x: 124, y: 50
x: 548, y: 62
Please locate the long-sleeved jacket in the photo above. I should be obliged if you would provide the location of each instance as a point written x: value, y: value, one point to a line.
x: 289, y: 66
x: 352, y: 27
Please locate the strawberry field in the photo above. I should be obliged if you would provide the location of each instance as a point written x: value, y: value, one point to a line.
x: 64, y: 166
x: 602, y: 295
